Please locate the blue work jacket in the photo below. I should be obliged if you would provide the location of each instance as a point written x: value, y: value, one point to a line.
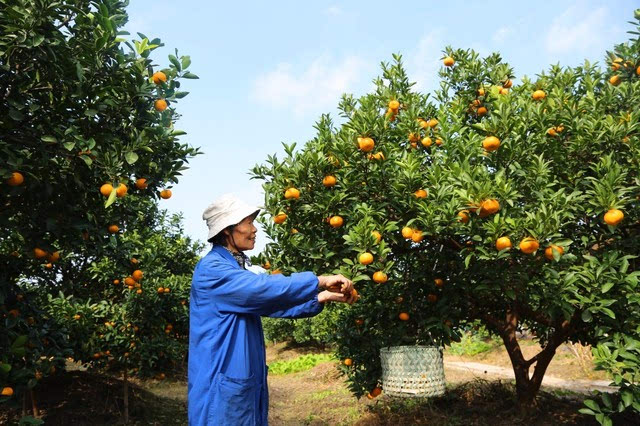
x: 227, y: 366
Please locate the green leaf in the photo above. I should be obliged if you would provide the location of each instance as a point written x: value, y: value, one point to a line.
x: 37, y: 40
x: 20, y: 341
x: 87, y: 159
x: 15, y: 114
x: 186, y: 61
x: 90, y: 112
x: 592, y: 404
x: 69, y: 145
x: 180, y: 95
x: 586, y: 411
x: 175, y: 62
x: 111, y: 199
x: 190, y: 76
x: 49, y: 139
x: 586, y: 316
x: 607, y: 287
x: 131, y: 157
x: 627, y: 397
x: 5, y: 368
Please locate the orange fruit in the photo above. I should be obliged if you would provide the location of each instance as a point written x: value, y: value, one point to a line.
x: 380, y: 277
x: 165, y: 194
x: 280, y: 218
x: 481, y: 111
x: 160, y: 290
x: 407, y: 232
x: 423, y: 124
x: 366, y: 144
x: 403, y: 316
x: 394, y: 105
x: 464, y: 216
x: 377, y: 156
x: 365, y: 258
x: 416, y: 236
x: 615, y: 80
x: 160, y: 105
x: 613, y: 217
x: 481, y: 91
x: 7, y: 391
x: 292, y: 193
x: 39, y: 253
x: 432, y: 298
x: 139, y: 291
x: 528, y: 245
x: 507, y: 84
x: 122, y: 190
x: 638, y: 70
x: 420, y: 193
x: 16, y: 179
x: 538, y: 95
x: 134, y: 261
x: 336, y: 221
x: 266, y: 265
x: 491, y: 143
x: 432, y: 123
x: 329, y: 181
x: 141, y: 183
x: 167, y: 290
x: 359, y: 321
x: 414, y: 137
x: 552, y: 132
x: 448, y: 61
x: 439, y: 282
x: 130, y: 281
x: 54, y: 257
x: 504, y: 91
x: 159, y: 77
x: 376, y: 391
x: 503, y: 243
x: 377, y: 235
x: 113, y: 229
x: 548, y: 252
x: 106, y: 189
x: 116, y: 282
x: 137, y: 275
x: 489, y: 207
x: 426, y: 142
x: 48, y: 265
x: 348, y: 362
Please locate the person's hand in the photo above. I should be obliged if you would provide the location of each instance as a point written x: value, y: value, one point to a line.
x: 335, y: 283
x: 332, y: 296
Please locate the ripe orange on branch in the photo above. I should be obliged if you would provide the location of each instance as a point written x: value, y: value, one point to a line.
x: 7, y: 391
x: 16, y: 179
x: 529, y: 245
x: 377, y: 235
x: 292, y: 193
x: 394, y: 105
x: 426, y: 141
x: 491, y: 143
x: 137, y: 275
x: 160, y: 105
x: 366, y: 144
x: 141, y: 183
x: 503, y: 243
x: 548, y: 252
x: 380, y: 277
x: 348, y: 362
x: 113, y: 229
x: 106, y: 189
x: 336, y: 221
x: 403, y: 316
x: 539, y: 95
x: 615, y: 80
x: 365, y: 258
x: 489, y: 207
x: 329, y: 181
x: 416, y: 236
x: 420, y: 193
x: 407, y: 232
x: 122, y: 190
x: 159, y: 77
x: 613, y: 217
x: 439, y: 282
x: 39, y: 253
x: 165, y: 194
x: 464, y: 216
x: 448, y: 61
x: 280, y: 218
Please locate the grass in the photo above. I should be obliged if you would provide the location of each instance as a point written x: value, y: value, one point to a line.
x: 296, y: 365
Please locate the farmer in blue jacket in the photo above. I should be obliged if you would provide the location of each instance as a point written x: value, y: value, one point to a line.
x: 227, y: 369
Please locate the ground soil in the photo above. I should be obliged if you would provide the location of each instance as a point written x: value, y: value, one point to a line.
x: 319, y: 397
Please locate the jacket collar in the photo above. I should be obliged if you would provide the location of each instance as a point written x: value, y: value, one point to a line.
x: 224, y: 253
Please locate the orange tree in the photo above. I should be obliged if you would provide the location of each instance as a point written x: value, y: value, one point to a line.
x: 87, y: 126
x: 514, y: 205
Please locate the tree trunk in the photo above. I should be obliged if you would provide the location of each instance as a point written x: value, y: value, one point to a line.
x: 34, y: 405
x: 126, y: 397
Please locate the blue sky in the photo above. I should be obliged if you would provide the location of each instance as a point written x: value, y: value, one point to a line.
x: 269, y: 69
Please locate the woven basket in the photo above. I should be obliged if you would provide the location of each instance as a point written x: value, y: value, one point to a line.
x: 412, y: 371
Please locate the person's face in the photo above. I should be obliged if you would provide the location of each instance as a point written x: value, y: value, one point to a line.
x: 244, y: 234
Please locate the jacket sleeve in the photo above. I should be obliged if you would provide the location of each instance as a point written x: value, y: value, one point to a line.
x: 304, y: 310
x: 234, y: 290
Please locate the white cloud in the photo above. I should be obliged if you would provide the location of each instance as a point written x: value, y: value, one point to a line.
x: 574, y: 30
x: 309, y: 90
x: 424, y: 61
x: 333, y: 10
x: 502, y: 34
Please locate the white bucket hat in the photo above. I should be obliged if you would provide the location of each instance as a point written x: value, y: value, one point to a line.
x: 226, y: 211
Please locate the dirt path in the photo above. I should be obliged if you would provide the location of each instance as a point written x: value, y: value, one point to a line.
x: 479, y: 370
